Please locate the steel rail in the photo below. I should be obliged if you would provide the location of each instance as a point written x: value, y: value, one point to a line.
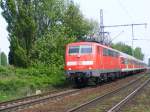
x: 25, y: 98
x: 126, y: 99
x: 36, y: 101
x: 104, y: 96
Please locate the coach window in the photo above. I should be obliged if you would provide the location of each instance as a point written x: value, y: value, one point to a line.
x: 126, y: 61
x: 122, y: 60
x: 117, y: 54
x: 131, y: 61
x: 134, y: 62
x: 114, y: 54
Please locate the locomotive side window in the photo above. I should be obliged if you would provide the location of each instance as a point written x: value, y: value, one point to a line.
x: 105, y: 52
x: 115, y: 54
x: 74, y: 49
x: 108, y: 52
x: 86, y: 49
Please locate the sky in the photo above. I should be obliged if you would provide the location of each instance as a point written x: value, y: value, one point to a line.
x: 4, y: 43
x: 115, y: 12
x: 119, y: 12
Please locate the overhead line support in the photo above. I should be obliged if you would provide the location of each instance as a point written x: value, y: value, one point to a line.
x: 132, y: 25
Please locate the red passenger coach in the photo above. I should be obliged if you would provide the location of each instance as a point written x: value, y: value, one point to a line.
x: 86, y: 61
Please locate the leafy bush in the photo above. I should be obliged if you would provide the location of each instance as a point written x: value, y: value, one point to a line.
x: 20, y: 82
x: 51, y: 48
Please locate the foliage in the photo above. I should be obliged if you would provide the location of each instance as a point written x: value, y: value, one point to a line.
x: 30, y: 20
x: 128, y: 50
x: 138, y: 53
x: 21, y: 26
x: 17, y: 54
x: 123, y: 47
x: 50, y: 49
x: 74, y: 19
x: 17, y: 82
x: 3, y: 59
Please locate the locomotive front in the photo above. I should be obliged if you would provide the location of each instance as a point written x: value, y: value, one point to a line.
x: 80, y: 60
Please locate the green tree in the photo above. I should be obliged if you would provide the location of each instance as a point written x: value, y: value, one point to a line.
x: 3, y: 59
x: 29, y: 20
x: 50, y: 50
x: 47, y: 13
x: 21, y: 26
x: 123, y: 48
x: 138, y: 53
x: 78, y: 25
x: 128, y: 50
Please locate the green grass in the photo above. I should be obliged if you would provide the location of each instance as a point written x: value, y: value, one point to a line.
x: 18, y: 82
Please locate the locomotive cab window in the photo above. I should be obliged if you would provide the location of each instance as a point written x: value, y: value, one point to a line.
x: 82, y: 49
x: 86, y: 49
x: 74, y: 49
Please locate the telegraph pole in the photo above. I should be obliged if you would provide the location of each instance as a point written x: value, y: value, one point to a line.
x: 102, y: 39
x: 132, y: 26
x: 101, y: 25
x: 132, y: 40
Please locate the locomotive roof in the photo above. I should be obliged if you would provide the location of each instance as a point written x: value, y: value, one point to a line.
x: 94, y: 43
x: 121, y: 53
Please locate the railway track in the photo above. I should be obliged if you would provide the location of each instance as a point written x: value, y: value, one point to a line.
x: 25, y: 98
x: 119, y: 105
x: 32, y: 100
x: 85, y: 106
x: 26, y: 102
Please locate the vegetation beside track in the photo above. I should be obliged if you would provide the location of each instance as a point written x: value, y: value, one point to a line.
x: 17, y: 82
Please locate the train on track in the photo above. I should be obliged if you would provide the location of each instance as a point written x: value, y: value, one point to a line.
x: 86, y: 61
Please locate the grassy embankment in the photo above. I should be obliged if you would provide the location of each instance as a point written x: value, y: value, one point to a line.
x: 18, y: 82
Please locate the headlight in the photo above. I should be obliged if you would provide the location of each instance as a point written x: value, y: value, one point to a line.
x: 90, y: 68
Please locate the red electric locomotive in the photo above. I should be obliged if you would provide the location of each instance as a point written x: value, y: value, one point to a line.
x: 91, y: 60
